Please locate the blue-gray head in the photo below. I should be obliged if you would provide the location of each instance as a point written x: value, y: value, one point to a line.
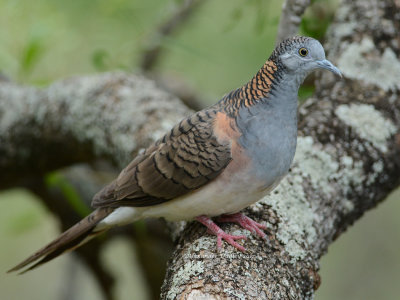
x: 300, y: 55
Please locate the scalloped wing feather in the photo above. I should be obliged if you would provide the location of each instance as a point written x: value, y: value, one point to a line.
x: 185, y: 159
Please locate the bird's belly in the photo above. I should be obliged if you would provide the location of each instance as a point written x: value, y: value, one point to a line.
x: 227, y: 194
x: 242, y: 183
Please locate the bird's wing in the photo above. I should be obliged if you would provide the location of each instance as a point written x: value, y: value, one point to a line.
x: 193, y: 153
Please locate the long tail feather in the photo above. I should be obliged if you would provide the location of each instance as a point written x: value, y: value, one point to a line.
x: 71, y: 239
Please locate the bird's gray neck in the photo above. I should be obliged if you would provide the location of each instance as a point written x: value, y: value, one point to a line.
x: 285, y: 90
x: 269, y: 129
x: 287, y: 84
x: 271, y: 80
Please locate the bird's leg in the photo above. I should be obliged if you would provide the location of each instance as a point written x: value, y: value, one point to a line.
x: 216, y: 230
x: 245, y: 222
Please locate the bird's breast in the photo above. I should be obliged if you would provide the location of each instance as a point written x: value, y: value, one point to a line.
x: 263, y: 142
x: 269, y: 136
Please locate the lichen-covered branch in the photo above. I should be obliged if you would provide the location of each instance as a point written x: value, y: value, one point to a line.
x: 347, y: 161
x: 292, y: 11
x: 112, y: 116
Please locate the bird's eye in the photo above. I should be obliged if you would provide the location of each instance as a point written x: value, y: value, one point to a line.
x: 303, y: 52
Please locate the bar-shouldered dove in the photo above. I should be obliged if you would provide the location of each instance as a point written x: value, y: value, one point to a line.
x: 213, y: 163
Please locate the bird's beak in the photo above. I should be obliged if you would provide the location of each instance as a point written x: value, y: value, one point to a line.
x: 326, y: 64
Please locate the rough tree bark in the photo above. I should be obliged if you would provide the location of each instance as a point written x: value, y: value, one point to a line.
x: 347, y: 161
x: 110, y: 116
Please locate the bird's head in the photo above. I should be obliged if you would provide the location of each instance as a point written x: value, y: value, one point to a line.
x: 301, y: 55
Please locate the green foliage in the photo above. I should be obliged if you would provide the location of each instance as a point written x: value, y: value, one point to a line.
x: 20, y: 215
x: 261, y: 12
x: 101, y: 59
x: 55, y: 180
x: 140, y: 228
x: 23, y: 222
x: 43, y: 40
x: 31, y: 55
x: 305, y: 92
x: 318, y: 17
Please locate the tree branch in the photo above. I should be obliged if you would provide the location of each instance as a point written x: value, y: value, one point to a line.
x: 290, y: 19
x: 111, y: 116
x: 348, y: 156
x: 154, y: 50
x: 89, y: 253
x: 347, y: 161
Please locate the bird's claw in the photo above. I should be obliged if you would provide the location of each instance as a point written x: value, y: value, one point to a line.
x: 245, y: 222
x: 239, y: 218
x: 230, y: 239
x: 221, y: 235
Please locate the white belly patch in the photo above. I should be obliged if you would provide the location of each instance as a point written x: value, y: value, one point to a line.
x: 226, y: 194
x: 218, y: 197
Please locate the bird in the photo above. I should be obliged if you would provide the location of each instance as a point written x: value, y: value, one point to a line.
x: 213, y: 163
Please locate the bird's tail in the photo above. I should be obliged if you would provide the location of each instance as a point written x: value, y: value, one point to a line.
x: 71, y: 239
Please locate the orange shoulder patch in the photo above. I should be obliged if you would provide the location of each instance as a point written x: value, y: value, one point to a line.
x: 225, y: 128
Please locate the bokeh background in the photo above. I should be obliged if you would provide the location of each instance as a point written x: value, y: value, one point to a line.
x: 218, y: 48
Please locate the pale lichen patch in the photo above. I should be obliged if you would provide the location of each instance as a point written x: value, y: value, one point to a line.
x: 349, y: 175
x: 324, y: 172
x: 295, y: 214
x: 345, y: 29
x: 315, y: 163
x: 183, y: 275
x: 383, y: 71
x: 104, y: 111
x: 377, y: 168
x: 322, y: 168
x: 368, y: 123
x: 12, y: 112
x: 197, y: 294
x: 203, y: 243
x: 347, y: 206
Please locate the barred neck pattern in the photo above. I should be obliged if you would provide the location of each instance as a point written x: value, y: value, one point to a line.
x: 263, y: 84
x: 259, y: 87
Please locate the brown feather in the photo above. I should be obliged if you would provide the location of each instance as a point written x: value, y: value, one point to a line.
x: 74, y: 237
x: 194, y: 152
x: 186, y: 158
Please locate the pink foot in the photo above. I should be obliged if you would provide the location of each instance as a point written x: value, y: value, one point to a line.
x: 245, y: 222
x: 214, y: 229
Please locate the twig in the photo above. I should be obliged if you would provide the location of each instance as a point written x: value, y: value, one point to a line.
x: 89, y: 253
x: 289, y: 23
x: 151, y: 55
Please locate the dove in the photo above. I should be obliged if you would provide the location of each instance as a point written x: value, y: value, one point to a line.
x: 214, y: 163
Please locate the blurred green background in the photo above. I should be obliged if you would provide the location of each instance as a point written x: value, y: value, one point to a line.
x: 227, y: 40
